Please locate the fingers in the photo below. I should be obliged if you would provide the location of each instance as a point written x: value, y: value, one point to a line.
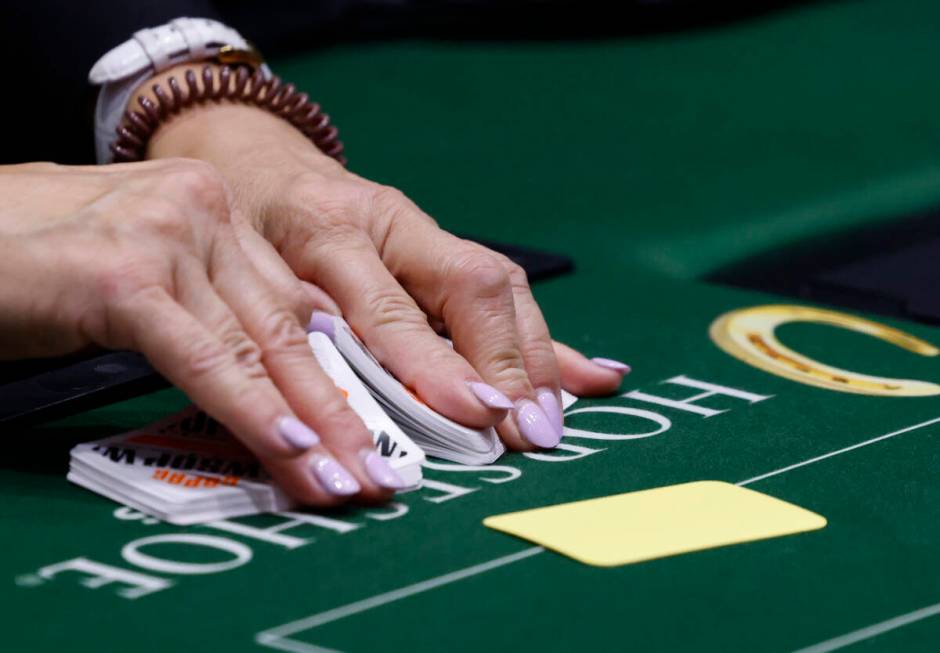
x: 221, y: 368
x: 588, y: 377
x: 302, y: 296
x: 292, y: 477
x: 536, y: 344
x: 464, y: 285
x: 319, y: 299
x: 396, y: 331
x: 198, y: 295
x: 501, y: 338
x: 399, y: 279
x: 225, y: 379
x: 294, y: 370
x: 175, y: 283
x: 279, y: 277
x: 499, y: 331
x: 286, y: 355
x: 537, y: 351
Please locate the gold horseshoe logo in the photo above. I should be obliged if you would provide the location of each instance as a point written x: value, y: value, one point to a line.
x: 748, y: 335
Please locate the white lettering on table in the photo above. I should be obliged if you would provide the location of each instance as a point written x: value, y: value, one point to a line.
x: 663, y: 423
x: 511, y: 473
x: 132, y: 553
x: 395, y: 510
x: 100, y: 575
x: 579, y: 452
x: 274, y: 534
x: 129, y: 514
x: 688, y: 404
x: 448, y: 490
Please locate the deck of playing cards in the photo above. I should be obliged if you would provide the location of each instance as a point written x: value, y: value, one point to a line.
x: 433, y: 432
x: 188, y: 468
x: 185, y: 469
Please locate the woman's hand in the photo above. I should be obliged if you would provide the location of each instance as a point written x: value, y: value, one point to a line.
x: 150, y: 257
x: 397, y: 277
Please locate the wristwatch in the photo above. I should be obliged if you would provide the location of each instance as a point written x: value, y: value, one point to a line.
x: 151, y: 51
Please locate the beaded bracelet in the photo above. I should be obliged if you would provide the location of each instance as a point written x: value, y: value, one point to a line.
x: 282, y: 100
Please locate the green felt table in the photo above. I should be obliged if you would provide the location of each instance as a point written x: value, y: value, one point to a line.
x: 651, y: 161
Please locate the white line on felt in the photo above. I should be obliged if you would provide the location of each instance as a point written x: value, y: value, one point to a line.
x: 277, y: 637
x: 839, y: 451
x: 292, y: 645
x: 313, y: 621
x: 872, y: 631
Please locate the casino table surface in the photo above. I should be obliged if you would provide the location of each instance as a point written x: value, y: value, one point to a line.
x: 651, y: 160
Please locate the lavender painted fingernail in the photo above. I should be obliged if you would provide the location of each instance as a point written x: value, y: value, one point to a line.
x: 380, y: 471
x: 535, y: 426
x: 611, y: 364
x: 552, y: 409
x: 333, y: 477
x: 322, y: 322
x: 296, y: 433
x: 489, y: 396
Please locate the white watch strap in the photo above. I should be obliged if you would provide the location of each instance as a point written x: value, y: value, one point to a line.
x: 149, y: 52
x: 157, y: 48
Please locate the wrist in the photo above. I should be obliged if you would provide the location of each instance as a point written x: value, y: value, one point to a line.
x: 224, y: 133
x: 256, y: 151
x: 278, y: 111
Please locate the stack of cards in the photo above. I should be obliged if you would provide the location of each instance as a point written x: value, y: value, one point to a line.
x: 433, y: 432
x: 185, y: 469
x: 402, y: 454
x: 188, y: 468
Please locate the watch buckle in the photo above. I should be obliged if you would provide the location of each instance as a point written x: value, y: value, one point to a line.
x: 230, y: 55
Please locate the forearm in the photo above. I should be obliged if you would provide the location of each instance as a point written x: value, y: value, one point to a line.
x: 38, y: 195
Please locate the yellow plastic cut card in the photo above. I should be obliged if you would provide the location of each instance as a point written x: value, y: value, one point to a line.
x: 665, y: 521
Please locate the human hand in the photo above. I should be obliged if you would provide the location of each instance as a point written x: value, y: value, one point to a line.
x: 397, y: 277
x: 149, y: 257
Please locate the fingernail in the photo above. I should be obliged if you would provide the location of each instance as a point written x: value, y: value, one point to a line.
x: 333, y: 476
x: 296, y: 433
x: 380, y: 471
x: 490, y: 396
x: 611, y: 364
x: 552, y: 409
x: 535, y: 426
x: 322, y: 322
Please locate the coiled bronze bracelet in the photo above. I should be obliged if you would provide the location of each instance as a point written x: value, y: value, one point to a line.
x: 283, y: 100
